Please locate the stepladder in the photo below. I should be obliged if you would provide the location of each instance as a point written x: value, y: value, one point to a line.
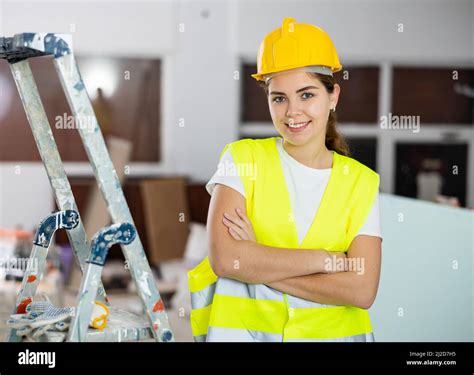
x: 122, y: 326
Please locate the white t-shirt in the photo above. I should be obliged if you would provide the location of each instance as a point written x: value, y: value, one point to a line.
x: 306, y: 187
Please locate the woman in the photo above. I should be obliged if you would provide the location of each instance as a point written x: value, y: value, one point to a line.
x: 294, y: 235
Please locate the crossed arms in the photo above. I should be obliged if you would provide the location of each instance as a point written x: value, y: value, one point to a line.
x: 303, y: 273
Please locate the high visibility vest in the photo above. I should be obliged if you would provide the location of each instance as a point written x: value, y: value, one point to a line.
x: 225, y: 309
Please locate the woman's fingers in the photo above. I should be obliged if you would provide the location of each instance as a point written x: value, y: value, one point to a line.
x: 249, y: 226
x: 241, y: 224
x: 243, y: 216
x: 231, y: 225
x: 234, y: 234
x: 236, y: 220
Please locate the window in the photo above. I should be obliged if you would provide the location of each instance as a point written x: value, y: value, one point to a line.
x: 437, y: 95
x: 125, y: 93
x: 425, y: 170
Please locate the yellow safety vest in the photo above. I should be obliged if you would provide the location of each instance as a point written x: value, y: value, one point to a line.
x: 229, y: 310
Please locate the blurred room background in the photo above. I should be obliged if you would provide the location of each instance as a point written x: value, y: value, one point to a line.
x: 170, y: 84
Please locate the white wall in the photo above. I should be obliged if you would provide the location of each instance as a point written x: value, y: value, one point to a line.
x: 117, y: 28
x: 204, y: 108
x: 26, y: 196
x: 367, y: 30
x: 426, y: 290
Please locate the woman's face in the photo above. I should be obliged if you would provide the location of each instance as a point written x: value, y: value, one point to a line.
x: 299, y: 105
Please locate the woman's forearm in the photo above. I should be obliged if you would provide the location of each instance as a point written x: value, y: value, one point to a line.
x: 254, y: 263
x: 342, y: 288
x: 356, y: 287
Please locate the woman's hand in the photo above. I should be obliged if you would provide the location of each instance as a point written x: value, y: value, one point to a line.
x: 240, y: 227
x: 336, y: 262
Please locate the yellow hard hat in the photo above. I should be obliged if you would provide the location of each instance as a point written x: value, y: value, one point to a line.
x: 296, y: 45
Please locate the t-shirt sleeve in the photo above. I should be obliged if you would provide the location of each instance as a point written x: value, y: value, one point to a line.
x: 226, y: 174
x: 371, y: 226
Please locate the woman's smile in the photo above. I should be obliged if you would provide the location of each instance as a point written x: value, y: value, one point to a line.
x: 297, y: 127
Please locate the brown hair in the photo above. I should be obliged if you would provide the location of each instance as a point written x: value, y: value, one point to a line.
x: 334, y: 140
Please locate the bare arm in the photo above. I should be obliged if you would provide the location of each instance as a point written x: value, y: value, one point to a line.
x: 249, y: 261
x: 357, y: 287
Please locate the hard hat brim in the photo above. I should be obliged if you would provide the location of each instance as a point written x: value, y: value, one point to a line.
x: 325, y: 70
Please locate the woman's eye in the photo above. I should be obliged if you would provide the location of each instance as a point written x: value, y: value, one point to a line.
x: 307, y: 95
x: 278, y: 99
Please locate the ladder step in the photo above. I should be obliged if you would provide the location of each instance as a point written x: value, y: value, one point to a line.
x: 137, y: 328
x: 122, y: 326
